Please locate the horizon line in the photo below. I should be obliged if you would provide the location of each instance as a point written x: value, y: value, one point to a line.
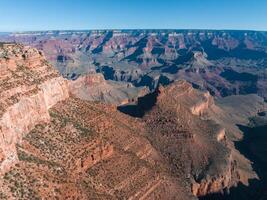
x: 132, y: 29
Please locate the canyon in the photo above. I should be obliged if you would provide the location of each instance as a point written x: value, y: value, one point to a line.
x: 223, y: 62
x: 130, y: 114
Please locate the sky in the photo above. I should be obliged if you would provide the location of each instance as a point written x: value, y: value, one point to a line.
x: 33, y: 15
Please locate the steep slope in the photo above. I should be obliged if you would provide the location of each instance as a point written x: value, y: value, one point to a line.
x: 29, y: 86
x: 89, y: 151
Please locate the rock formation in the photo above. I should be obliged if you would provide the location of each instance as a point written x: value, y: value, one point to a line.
x: 196, y: 149
x: 93, y: 87
x: 29, y: 87
x: 58, y: 145
x: 223, y: 62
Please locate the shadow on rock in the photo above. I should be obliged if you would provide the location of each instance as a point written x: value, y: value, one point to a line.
x: 143, y: 105
x: 253, y: 147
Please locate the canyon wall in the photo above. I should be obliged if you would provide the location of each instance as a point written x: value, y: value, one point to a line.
x: 29, y: 86
x: 210, y: 59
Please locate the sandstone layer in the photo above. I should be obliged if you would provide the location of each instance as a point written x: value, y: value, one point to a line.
x: 29, y: 86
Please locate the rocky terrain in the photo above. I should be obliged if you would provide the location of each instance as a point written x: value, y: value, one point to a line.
x: 182, y: 118
x: 224, y: 62
x: 60, y: 141
x: 29, y: 87
x: 93, y: 87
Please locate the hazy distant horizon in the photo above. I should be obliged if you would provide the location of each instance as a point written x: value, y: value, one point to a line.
x: 133, y: 29
x: 32, y: 15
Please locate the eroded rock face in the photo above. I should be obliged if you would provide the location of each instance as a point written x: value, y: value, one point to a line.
x: 217, y: 184
x: 93, y: 87
x: 29, y: 87
x: 197, y: 149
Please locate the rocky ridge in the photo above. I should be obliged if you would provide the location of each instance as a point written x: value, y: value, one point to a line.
x: 177, y: 130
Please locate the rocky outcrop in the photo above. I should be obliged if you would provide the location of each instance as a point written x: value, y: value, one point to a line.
x: 97, y: 152
x: 179, y: 128
x: 29, y: 87
x: 91, y: 80
x: 205, y: 102
x: 93, y: 87
x: 221, y: 135
x: 216, y: 184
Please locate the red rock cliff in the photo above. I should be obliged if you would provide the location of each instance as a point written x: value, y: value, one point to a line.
x: 29, y: 86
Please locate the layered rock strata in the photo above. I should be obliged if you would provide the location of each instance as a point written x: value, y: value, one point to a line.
x: 29, y: 86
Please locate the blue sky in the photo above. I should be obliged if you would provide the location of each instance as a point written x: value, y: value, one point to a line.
x: 24, y: 15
